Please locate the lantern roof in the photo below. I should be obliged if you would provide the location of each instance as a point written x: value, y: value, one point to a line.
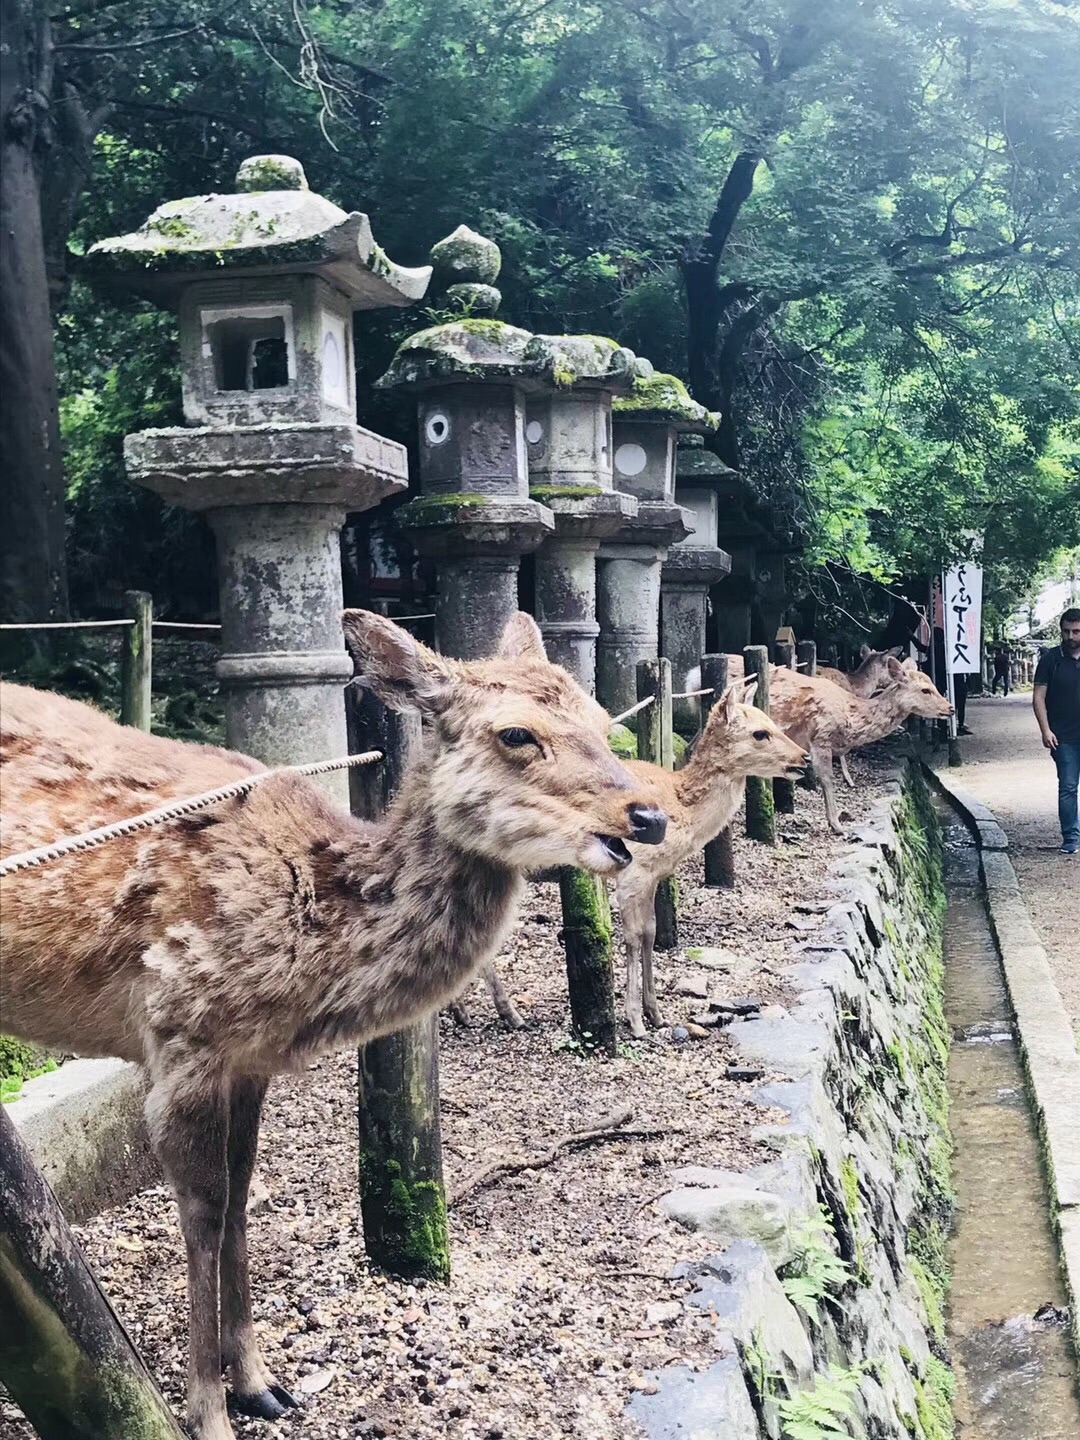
x: 662, y: 399
x: 273, y: 224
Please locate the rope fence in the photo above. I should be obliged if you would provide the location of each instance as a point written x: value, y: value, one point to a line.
x: 651, y: 699
x: 90, y: 839
x: 71, y: 625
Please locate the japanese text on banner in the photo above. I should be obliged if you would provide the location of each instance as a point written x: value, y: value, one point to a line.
x: 962, y: 587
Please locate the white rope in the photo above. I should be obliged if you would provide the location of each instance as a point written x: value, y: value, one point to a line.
x: 649, y: 699
x: 175, y: 811
x: 641, y: 704
x: 184, y: 625
x: 70, y: 625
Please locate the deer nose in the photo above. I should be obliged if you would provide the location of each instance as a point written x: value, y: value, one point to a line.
x: 648, y: 825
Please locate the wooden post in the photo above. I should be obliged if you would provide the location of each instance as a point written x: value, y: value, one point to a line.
x: 586, y: 916
x: 65, y: 1358
x: 807, y: 653
x: 136, y: 663
x: 719, y: 853
x: 655, y: 745
x: 402, y: 1192
x: 784, y: 790
x: 760, y: 812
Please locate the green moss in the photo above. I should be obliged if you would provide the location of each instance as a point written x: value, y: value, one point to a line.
x: 935, y: 1389
x: 623, y: 742
x: 678, y: 748
x: 417, y: 1211
x: 270, y: 172
x: 493, y: 330
x: 563, y: 376
x: 438, y: 509
x: 663, y: 397
x: 543, y: 493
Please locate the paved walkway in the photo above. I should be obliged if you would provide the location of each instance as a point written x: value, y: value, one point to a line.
x: 1006, y: 767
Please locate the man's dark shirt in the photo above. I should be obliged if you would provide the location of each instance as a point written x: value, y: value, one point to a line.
x: 1060, y: 673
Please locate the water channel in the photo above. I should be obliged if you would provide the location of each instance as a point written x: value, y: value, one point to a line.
x: 1015, y: 1370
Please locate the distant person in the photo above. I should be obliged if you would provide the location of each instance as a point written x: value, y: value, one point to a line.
x: 1056, y: 702
x: 1002, y: 670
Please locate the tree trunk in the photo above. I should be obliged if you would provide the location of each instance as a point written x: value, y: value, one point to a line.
x: 64, y: 1356
x: 33, y: 575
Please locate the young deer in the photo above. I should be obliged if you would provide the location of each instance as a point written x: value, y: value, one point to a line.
x: 218, y: 950
x: 699, y: 800
x: 829, y: 721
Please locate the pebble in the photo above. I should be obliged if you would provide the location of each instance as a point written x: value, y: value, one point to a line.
x: 664, y: 1312
x: 744, y: 1072
x: 694, y: 989
x: 680, y: 1034
x: 696, y: 1032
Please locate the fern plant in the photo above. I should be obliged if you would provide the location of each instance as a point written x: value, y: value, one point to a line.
x: 819, y: 1413
x: 816, y: 1270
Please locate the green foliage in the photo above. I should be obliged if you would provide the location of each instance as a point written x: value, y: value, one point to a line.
x: 820, y: 1412
x: 817, y: 1271
x: 18, y: 1062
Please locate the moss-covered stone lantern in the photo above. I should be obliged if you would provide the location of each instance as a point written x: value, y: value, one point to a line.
x: 693, y: 565
x: 265, y: 282
x: 647, y: 423
x: 474, y: 517
x: 568, y: 435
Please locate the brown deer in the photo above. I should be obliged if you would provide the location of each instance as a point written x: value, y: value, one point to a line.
x: 871, y: 675
x: 829, y: 721
x: 221, y: 949
x: 699, y: 800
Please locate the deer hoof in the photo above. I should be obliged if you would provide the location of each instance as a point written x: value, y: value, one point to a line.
x: 655, y: 1019
x: 268, y: 1404
x: 637, y: 1029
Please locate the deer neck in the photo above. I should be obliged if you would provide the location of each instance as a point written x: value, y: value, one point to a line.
x: 413, y: 914
x: 709, y: 792
x: 878, y: 717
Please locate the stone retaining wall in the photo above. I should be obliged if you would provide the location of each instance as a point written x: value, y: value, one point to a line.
x: 828, y: 1296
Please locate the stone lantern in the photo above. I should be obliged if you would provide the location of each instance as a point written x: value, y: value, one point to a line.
x: 648, y: 422
x: 475, y: 517
x: 693, y: 565
x: 265, y: 282
x: 568, y: 435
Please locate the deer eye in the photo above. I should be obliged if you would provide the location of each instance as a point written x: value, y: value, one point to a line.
x: 515, y: 737
x: 761, y: 734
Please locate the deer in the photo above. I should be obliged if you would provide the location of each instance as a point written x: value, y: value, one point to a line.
x: 218, y: 950
x: 828, y: 721
x: 699, y: 800
x: 870, y: 676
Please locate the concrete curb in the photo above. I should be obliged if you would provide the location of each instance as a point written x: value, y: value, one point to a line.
x: 84, y: 1126
x: 1047, y: 1042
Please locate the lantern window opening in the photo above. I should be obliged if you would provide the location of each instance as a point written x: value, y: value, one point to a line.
x: 250, y: 348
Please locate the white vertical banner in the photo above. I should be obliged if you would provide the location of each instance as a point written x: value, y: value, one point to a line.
x: 962, y: 613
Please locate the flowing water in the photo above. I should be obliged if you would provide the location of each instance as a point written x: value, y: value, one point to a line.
x: 1015, y: 1369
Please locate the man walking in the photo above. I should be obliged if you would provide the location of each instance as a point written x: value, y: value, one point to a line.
x: 1057, y: 708
x: 1002, y: 668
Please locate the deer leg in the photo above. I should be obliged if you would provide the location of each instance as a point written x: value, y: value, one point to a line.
x: 187, y: 1113
x: 636, y: 915
x: 846, y: 772
x: 254, y: 1389
x: 648, y: 979
x: 505, y: 1008
x: 822, y: 759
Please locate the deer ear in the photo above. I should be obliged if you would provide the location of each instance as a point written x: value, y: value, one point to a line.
x: 894, y: 668
x: 521, y: 639
x: 865, y: 652
x: 404, y: 674
x: 749, y: 689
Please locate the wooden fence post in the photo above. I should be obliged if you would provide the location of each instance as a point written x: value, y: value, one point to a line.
x: 807, y: 653
x: 136, y: 662
x: 655, y: 744
x: 64, y: 1356
x: 720, y: 852
x: 402, y: 1192
x: 784, y: 790
x: 760, y: 812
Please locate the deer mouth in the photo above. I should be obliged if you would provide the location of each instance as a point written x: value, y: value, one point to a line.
x: 615, y: 850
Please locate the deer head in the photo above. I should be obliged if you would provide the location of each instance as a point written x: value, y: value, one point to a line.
x: 740, y: 740
x: 913, y: 689
x: 519, y: 770
x: 874, y: 671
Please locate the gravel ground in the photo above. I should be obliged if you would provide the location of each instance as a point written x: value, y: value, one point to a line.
x: 560, y: 1301
x: 1006, y: 767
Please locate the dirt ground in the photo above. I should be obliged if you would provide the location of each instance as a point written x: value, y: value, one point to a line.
x: 1006, y: 767
x: 561, y: 1298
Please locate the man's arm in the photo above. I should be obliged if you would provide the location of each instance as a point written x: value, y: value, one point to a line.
x: 1038, y: 704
